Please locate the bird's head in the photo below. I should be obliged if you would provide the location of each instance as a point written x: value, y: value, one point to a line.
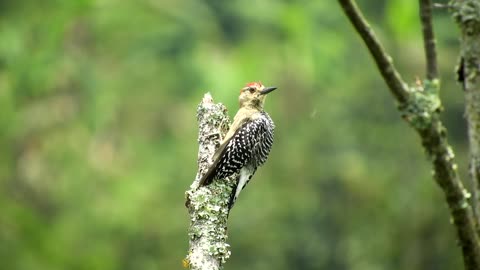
x: 253, y: 95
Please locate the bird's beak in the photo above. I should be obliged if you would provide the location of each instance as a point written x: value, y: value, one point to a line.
x: 267, y: 90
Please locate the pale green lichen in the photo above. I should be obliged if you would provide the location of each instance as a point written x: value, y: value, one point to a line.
x: 422, y: 105
x: 208, y: 205
x: 463, y: 203
x: 465, y: 11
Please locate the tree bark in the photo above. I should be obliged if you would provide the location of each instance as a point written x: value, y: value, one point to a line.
x: 420, y: 106
x: 429, y: 41
x: 208, y: 205
x: 467, y: 15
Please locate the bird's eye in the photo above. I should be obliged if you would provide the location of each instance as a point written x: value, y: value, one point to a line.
x: 251, y: 89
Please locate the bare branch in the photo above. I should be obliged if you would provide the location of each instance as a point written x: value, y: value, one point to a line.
x: 384, y: 62
x: 428, y: 38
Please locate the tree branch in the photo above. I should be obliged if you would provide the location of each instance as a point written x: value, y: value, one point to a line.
x: 384, y: 62
x: 466, y: 14
x: 208, y: 206
x: 428, y: 38
x: 420, y: 106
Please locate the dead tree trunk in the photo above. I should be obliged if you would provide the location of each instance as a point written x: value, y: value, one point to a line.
x: 208, y: 206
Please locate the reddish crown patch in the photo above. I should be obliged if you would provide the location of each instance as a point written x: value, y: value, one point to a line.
x: 254, y: 84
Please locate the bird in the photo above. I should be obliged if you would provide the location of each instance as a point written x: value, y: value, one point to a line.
x: 247, y: 144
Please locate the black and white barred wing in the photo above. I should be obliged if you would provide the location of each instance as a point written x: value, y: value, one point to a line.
x: 237, y: 152
x: 264, y: 143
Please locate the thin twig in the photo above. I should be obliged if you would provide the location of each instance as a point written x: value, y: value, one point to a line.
x: 428, y: 38
x: 384, y: 62
x: 441, y: 5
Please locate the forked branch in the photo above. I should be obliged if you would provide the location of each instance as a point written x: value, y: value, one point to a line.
x: 420, y: 106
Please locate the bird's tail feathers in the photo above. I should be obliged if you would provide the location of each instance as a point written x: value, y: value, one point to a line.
x: 207, y: 177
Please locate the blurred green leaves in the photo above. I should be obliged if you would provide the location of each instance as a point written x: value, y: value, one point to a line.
x: 402, y: 18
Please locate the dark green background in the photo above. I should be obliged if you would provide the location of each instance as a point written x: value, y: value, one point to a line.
x: 98, y: 134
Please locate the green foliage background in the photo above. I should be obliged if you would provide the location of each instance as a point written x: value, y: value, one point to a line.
x: 98, y: 134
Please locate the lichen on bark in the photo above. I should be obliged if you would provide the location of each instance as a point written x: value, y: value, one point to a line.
x: 467, y: 15
x: 208, y: 205
x: 422, y: 104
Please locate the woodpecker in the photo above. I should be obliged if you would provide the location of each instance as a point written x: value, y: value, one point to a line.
x: 247, y: 143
